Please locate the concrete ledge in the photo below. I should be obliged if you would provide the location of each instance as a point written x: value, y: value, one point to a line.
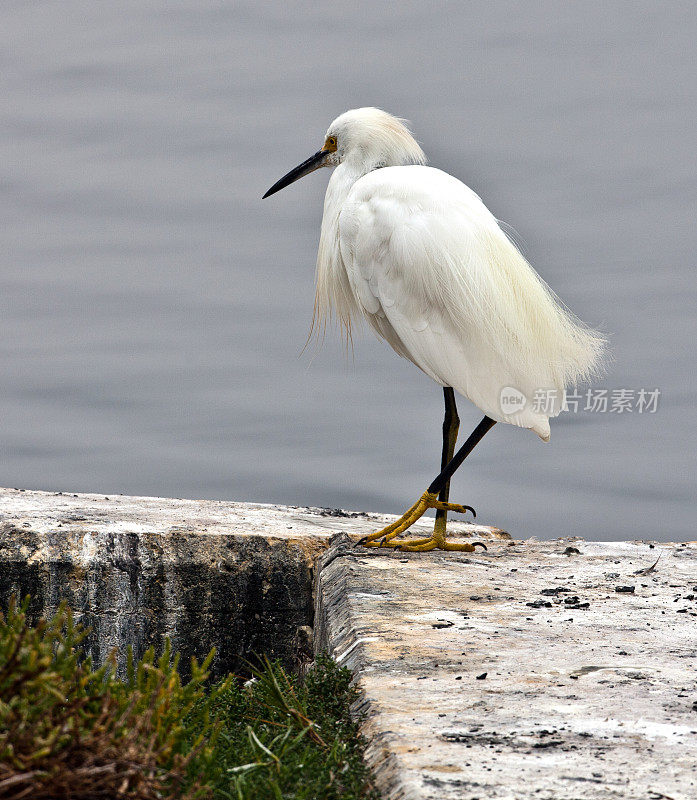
x: 235, y: 576
x: 555, y: 671
x: 559, y: 670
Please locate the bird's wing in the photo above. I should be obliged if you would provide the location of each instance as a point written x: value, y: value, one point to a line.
x: 438, y: 279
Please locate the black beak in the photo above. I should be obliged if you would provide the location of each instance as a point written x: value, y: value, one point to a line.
x: 312, y: 163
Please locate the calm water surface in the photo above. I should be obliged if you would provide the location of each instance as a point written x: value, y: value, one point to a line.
x: 153, y: 309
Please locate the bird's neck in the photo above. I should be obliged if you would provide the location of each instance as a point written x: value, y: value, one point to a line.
x: 348, y: 172
x: 343, y: 178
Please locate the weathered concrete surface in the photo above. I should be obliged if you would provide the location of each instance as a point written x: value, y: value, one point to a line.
x: 137, y: 569
x: 522, y: 672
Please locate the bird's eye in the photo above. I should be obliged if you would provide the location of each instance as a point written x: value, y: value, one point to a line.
x: 330, y: 144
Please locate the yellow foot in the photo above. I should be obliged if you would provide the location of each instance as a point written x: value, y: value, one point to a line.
x: 385, y: 536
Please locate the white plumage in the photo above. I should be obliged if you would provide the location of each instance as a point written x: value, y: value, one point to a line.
x: 417, y: 254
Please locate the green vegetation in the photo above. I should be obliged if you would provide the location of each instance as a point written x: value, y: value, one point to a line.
x: 69, y: 730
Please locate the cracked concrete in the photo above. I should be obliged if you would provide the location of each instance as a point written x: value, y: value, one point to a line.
x: 549, y: 670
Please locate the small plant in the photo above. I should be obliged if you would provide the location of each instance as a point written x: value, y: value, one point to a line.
x: 69, y: 731
x: 285, y: 739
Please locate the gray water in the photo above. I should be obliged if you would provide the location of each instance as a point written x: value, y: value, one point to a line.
x: 154, y: 309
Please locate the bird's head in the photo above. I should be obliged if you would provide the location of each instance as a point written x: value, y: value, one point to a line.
x: 365, y: 139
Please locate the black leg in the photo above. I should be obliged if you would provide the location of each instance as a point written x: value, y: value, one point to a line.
x: 475, y: 437
x: 451, y: 425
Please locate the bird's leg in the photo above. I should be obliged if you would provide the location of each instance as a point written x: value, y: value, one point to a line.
x: 430, y: 499
x: 451, y: 426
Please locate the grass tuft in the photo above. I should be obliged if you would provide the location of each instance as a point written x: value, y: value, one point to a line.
x: 69, y: 730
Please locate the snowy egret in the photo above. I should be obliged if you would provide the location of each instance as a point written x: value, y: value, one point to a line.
x: 417, y: 254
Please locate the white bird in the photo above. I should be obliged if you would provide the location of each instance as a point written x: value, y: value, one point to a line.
x: 417, y: 254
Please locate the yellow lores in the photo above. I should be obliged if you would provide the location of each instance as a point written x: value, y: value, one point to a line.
x: 416, y: 254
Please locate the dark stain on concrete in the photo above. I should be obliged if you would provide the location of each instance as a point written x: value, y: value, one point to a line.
x: 241, y: 595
